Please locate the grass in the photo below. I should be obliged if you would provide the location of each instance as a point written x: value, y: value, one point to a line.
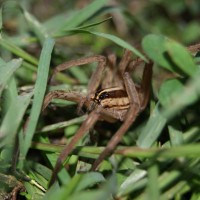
x: 159, y: 156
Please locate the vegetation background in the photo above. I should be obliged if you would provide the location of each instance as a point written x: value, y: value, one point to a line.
x: 158, y: 158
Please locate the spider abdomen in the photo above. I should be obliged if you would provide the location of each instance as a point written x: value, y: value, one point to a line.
x: 115, y: 98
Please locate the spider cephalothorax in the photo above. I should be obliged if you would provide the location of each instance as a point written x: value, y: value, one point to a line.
x: 119, y: 99
x: 116, y: 98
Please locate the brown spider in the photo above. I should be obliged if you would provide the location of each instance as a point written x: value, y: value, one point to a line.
x: 119, y: 99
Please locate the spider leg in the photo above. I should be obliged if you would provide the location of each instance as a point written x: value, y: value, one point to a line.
x: 146, y: 85
x: 61, y: 94
x: 129, y: 119
x: 96, y: 76
x: 126, y: 58
x: 86, y: 125
x: 95, y: 79
x: 110, y: 71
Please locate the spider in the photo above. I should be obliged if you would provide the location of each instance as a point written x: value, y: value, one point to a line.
x: 111, y: 98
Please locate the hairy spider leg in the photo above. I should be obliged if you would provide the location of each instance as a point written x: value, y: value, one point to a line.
x: 95, y: 78
x: 96, y: 75
x: 126, y: 58
x: 110, y: 71
x: 62, y: 94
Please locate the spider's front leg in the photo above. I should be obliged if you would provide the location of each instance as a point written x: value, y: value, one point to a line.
x: 131, y: 115
x: 92, y: 85
x: 61, y: 94
x: 96, y: 76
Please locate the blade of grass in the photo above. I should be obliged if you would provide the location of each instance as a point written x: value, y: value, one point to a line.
x: 190, y: 151
x: 10, y: 94
x: 13, y: 109
x: 69, y: 192
x: 113, y: 38
x: 7, y: 70
x: 82, y: 15
x: 4, y: 42
x: 180, y: 187
x: 13, y: 116
x: 1, y: 19
x: 59, y: 125
x: 176, y: 136
x: 39, y: 91
x: 89, y: 179
x: 94, y: 24
x: 79, y: 74
x: 133, y: 178
x: 152, y: 129
x: 121, y: 43
x: 36, y: 26
x: 153, y: 191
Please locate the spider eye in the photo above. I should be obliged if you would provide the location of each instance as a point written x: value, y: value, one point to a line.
x: 103, y: 96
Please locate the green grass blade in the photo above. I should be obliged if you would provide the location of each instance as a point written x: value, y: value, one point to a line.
x: 13, y: 109
x: 152, y: 129
x: 168, y: 89
x: 176, y: 190
x: 176, y: 136
x: 1, y: 19
x: 59, y: 125
x: 189, y: 150
x: 89, y: 179
x: 153, y: 191
x: 13, y: 118
x: 69, y: 191
x: 79, y: 74
x: 82, y: 15
x: 7, y: 70
x: 4, y: 42
x: 131, y: 181
x: 15, y: 113
x: 39, y: 91
x: 120, y: 42
x: 36, y: 26
x: 94, y: 24
x: 110, y: 37
x: 10, y: 94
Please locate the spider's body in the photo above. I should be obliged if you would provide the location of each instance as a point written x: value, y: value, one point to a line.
x: 121, y: 100
x: 115, y: 98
